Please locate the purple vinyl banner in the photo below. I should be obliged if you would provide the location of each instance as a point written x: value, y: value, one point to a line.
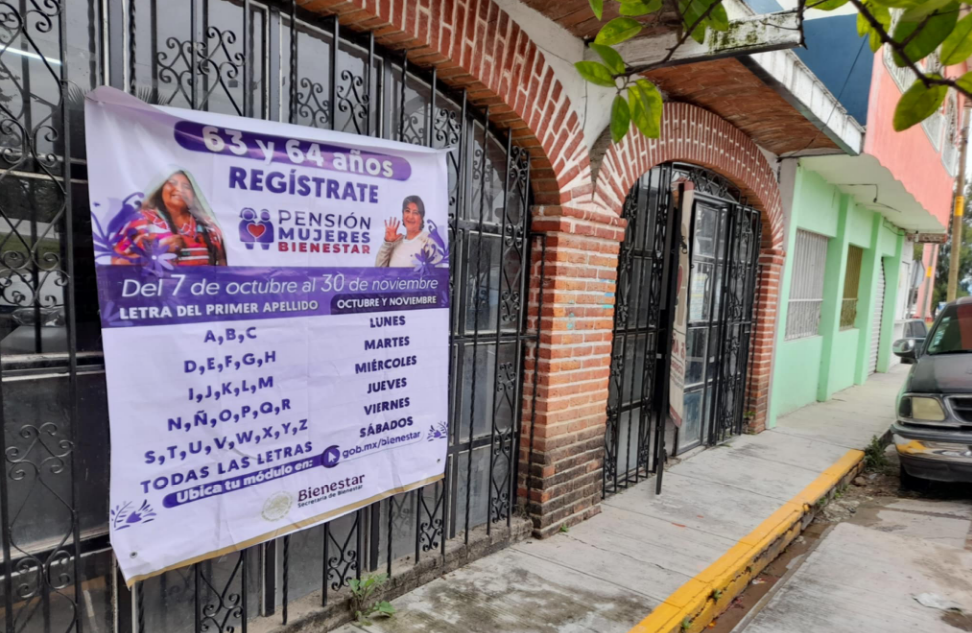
x: 275, y: 316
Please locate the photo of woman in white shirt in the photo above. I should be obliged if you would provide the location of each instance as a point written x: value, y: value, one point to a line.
x: 400, y: 251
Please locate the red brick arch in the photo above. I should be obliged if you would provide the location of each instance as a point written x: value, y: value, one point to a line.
x: 475, y: 45
x: 693, y: 135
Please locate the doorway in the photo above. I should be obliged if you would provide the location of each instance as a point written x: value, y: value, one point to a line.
x: 723, y: 253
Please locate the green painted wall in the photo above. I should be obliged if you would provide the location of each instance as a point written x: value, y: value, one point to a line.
x: 814, y: 368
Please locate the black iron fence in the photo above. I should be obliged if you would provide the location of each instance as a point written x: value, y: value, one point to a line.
x: 265, y: 60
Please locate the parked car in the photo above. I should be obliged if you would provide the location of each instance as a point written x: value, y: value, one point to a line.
x: 933, y: 432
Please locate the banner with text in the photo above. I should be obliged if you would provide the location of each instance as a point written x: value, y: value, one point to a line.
x: 275, y: 315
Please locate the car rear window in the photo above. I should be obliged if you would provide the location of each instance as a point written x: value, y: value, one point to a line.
x: 953, y: 331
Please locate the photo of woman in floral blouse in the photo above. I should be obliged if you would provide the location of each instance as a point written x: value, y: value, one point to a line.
x: 175, y: 223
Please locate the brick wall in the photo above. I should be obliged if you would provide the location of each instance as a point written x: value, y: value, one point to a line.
x: 476, y: 46
x: 562, y: 444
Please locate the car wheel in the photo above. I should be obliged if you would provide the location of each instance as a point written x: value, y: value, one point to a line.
x: 910, y: 482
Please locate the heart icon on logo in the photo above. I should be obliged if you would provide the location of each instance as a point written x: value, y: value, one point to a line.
x: 256, y: 230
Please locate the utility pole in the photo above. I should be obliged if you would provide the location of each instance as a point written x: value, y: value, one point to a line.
x: 953, y: 263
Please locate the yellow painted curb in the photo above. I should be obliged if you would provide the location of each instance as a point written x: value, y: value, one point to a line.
x: 696, y: 603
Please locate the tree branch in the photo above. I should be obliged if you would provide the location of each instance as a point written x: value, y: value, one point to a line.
x: 899, y: 47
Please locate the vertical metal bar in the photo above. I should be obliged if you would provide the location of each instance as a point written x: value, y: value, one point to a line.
x: 192, y: 55
x: 124, y: 602
x: 379, y: 102
x: 70, y: 321
x: 204, y: 61
x: 496, y: 342
x: 448, y: 494
x: 269, y: 578
x: 430, y: 121
x: 154, y: 7
x: 419, y: 504
x: 335, y: 51
x: 375, y: 531
x: 247, y: 45
x: 140, y: 607
x: 116, y: 43
x: 197, y: 613
x: 727, y: 272
x: 273, y: 79
x: 401, y: 107
x: 292, y: 116
x: 369, y: 95
x: 479, y: 264
x: 358, y: 521
x: 391, y: 537
x: 245, y: 616
x: 710, y: 399
x: 286, y: 577
x: 132, y: 39
x: 517, y: 413
x: 327, y: 549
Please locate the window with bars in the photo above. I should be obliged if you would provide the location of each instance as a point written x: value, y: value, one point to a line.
x: 807, y: 285
x: 852, y: 284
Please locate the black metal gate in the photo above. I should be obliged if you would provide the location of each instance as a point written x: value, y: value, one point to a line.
x: 264, y: 60
x: 725, y: 237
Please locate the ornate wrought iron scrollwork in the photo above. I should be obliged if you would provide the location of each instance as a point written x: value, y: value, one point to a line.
x: 187, y: 64
x: 311, y: 108
x: 430, y: 528
x: 354, y: 99
x: 340, y: 568
x: 224, y: 611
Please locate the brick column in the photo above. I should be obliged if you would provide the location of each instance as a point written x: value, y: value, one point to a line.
x: 562, y: 441
x: 763, y: 340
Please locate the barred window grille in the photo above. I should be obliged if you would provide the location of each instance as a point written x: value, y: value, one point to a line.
x: 807, y: 285
x: 852, y: 283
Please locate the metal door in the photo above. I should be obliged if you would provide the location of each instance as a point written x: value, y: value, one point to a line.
x: 640, y: 332
x: 739, y: 288
x: 724, y: 250
x: 878, y: 317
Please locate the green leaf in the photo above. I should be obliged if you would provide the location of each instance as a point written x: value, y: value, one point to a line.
x: 386, y: 608
x: 826, y: 5
x: 355, y: 585
x: 596, y: 73
x: 719, y: 19
x: 597, y: 6
x: 620, y: 119
x: 617, y: 30
x: 921, y: 11
x: 932, y: 33
x: 612, y: 59
x: 883, y: 16
x: 639, y: 110
x: 958, y: 45
x: 917, y: 104
x: 646, y: 108
x: 639, y: 7
x: 692, y: 11
x: 898, y: 4
x: 965, y: 81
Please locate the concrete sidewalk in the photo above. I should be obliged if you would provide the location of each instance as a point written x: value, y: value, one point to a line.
x: 611, y: 571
